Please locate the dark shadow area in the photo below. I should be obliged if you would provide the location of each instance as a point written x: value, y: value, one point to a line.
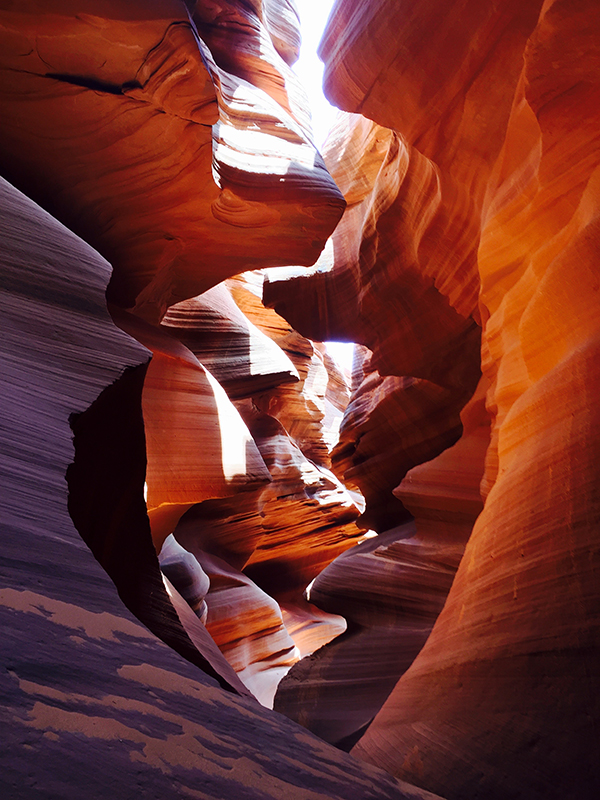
x: 106, y: 504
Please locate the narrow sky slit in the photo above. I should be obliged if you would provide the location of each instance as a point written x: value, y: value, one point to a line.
x: 309, y: 68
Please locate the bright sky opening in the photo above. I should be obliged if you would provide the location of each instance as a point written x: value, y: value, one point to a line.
x: 309, y: 68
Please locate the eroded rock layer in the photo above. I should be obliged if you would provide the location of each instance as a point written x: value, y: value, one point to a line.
x: 391, y: 425
x: 504, y: 101
x: 390, y: 589
x: 174, y: 138
x: 121, y: 140
x: 387, y: 280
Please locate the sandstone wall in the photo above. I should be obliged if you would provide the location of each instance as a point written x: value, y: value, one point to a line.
x: 157, y: 164
x: 173, y: 140
x: 504, y: 98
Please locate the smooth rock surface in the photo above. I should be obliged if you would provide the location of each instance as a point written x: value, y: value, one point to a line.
x: 390, y: 589
x: 386, y: 279
x: 111, y: 119
x: 92, y: 702
x: 391, y: 425
x: 502, y: 700
x: 248, y: 628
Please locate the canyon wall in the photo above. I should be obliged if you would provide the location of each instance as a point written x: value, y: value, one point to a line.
x: 174, y: 252
x: 500, y: 105
x: 149, y: 152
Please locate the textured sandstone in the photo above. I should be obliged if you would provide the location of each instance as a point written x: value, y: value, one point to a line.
x: 390, y: 589
x: 309, y: 626
x: 308, y: 517
x: 183, y: 571
x: 444, y: 495
x: 107, y: 119
x: 285, y: 534
x: 92, y: 702
x: 197, y: 445
x: 142, y: 189
x: 387, y: 281
x: 311, y: 409
x: 504, y: 98
x: 174, y: 139
x: 248, y: 627
x: 242, y: 358
x: 391, y: 425
x: 399, y: 276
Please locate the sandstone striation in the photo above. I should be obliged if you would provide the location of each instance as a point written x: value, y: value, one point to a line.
x: 311, y: 409
x: 177, y: 509
x: 121, y: 144
x: 503, y: 99
x: 376, y: 284
x: 391, y: 425
x: 444, y: 494
x: 121, y: 123
x: 237, y: 353
x: 247, y: 625
x: 390, y: 589
x: 285, y: 534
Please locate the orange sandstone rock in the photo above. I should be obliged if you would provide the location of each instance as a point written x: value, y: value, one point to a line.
x: 390, y: 590
x: 387, y: 279
x: 248, y: 627
x: 503, y: 699
x: 119, y: 120
x: 238, y: 354
x: 308, y: 517
x: 309, y: 410
x: 391, y: 425
x: 66, y: 364
x: 92, y: 701
x: 282, y: 535
x: 444, y: 494
x: 154, y: 153
x: 197, y: 445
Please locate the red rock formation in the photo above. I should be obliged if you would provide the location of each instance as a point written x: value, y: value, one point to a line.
x: 309, y: 409
x: 391, y: 425
x: 308, y: 518
x: 391, y: 590
x: 309, y: 626
x: 444, y: 495
x: 390, y: 252
x: 285, y: 534
x: 93, y: 702
x: 173, y: 137
x: 106, y: 119
x: 239, y: 355
x: 248, y: 627
x: 62, y: 350
x: 389, y: 281
x: 504, y: 98
x: 119, y: 145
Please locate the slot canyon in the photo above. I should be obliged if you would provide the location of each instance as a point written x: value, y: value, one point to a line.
x: 234, y: 568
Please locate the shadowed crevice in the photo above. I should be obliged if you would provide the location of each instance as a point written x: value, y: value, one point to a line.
x: 106, y: 504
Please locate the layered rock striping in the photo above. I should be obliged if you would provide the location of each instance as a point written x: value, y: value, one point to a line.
x: 503, y: 100
x: 121, y: 122
x: 173, y: 138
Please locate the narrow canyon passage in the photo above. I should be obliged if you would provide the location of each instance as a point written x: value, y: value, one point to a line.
x: 233, y: 565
